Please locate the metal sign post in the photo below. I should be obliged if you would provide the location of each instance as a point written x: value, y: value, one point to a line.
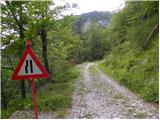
x: 34, y: 99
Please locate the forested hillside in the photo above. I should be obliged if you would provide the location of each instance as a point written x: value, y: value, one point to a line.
x: 83, y: 22
x: 125, y: 42
x: 90, y: 27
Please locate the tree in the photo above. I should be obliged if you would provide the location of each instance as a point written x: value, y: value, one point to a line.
x: 14, y: 20
x: 44, y: 17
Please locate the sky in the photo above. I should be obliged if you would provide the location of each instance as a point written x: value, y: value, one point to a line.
x: 85, y: 6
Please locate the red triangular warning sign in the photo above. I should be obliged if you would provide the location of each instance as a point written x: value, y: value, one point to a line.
x: 29, y: 67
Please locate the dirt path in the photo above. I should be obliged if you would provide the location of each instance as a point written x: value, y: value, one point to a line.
x: 97, y: 96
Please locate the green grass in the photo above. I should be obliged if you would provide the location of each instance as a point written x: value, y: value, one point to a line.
x: 15, y: 104
x: 136, y: 69
x: 139, y: 82
x: 55, y: 96
x: 52, y: 97
x: 92, y: 69
x: 103, y: 68
x: 141, y: 115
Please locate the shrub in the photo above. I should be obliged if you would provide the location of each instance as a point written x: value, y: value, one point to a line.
x: 63, y: 71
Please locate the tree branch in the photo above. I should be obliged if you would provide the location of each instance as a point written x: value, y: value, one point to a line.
x: 10, y: 8
x: 13, y: 14
x: 8, y: 68
x: 151, y: 34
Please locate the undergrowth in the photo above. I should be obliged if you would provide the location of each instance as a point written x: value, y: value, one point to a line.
x: 135, y: 69
x: 53, y: 96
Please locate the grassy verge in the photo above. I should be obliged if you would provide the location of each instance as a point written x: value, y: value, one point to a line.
x: 135, y: 81
x: 55, y: 97
x: 103, y: 68
x: 137, y: 69
x: 52, y: 97
x: 92, y: 69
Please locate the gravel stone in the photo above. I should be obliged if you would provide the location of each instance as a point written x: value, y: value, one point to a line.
x: 30, y: 115
x: 97, y: 96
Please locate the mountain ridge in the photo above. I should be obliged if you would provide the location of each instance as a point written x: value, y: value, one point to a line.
x: 83, y: 21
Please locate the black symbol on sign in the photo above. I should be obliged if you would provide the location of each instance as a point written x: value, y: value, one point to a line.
x: 29, y: 63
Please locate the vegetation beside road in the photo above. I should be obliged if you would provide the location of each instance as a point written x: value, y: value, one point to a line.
x: 53, y: 97
x: 133, y: 59
x: 137, y: 72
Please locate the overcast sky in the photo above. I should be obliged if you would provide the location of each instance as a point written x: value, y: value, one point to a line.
x: 85, y: 6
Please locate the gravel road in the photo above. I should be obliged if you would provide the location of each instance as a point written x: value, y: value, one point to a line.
x: 97, y: 96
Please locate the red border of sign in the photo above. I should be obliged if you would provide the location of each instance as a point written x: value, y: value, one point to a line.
x: 27, y: 51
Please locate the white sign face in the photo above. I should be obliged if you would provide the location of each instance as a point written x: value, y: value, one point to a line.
x: 29, y: 67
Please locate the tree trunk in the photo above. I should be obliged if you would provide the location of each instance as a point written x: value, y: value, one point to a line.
x: 43, y: 34
x: 4, y: 102
x: 21, y: 33
x: 156, y: 27
x: 22, y: 82
x: 139, y: 10
x: 23, y: 92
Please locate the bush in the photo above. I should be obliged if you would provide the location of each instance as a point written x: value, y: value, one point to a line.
x: 63, y: 71
x: 60, y: 96
x: 16, y: 104
x: 151, y: 91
